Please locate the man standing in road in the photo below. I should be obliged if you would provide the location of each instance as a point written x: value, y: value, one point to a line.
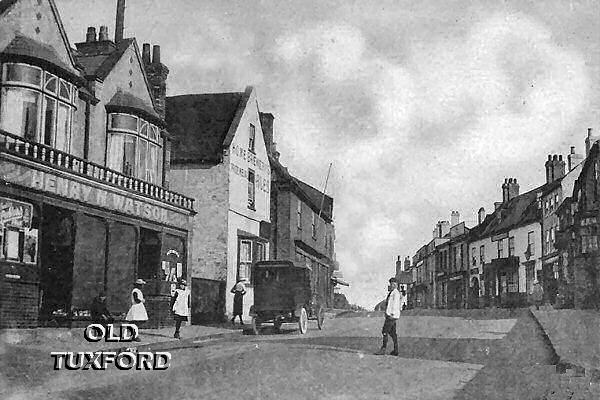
x: 392, y: 313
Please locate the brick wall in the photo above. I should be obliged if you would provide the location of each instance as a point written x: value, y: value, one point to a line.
x: 19, y: 303
x: 208, y: 185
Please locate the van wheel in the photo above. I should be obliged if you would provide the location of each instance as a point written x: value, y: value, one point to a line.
x: 320, y: 317
x: 303, y: 321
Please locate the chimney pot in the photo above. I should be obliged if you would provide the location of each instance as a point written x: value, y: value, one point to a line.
x: 560, y: 157
x: 91, y: 34
x: 146, y: 53
x: 156, y: 54
x: 572, y: 149
x: 589, y: 132
x: 103, y: 33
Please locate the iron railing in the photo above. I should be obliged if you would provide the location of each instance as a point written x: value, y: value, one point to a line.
x: 44, y: 154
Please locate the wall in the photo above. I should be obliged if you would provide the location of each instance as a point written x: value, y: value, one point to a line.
x: 207, y: 246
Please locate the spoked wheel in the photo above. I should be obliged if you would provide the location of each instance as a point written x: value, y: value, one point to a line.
x: 320, y: 317
x: 303, y: 321
x: 277, y: 326
x: 254, y: 325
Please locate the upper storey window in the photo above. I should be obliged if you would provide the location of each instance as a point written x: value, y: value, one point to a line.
x: 37, y: 105
x: 134, y: 147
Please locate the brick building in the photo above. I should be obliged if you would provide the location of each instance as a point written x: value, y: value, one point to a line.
x: 302, y: 224
x: 219, y: 158
x: 83, y: 168
x: 577, y: 238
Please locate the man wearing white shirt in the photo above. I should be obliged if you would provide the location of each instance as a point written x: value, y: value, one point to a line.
x: 392, y: 313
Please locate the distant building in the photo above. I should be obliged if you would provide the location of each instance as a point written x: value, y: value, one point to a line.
x: 220, y: 159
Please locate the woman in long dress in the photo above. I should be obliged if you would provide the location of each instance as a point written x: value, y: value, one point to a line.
x: 238, y: 301
x: 137, y: 312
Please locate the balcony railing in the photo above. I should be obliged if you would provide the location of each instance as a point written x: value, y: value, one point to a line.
x: 17, y: 145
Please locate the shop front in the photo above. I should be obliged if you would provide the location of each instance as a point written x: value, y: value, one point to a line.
x: 501, y: 278
x: 71, y: 229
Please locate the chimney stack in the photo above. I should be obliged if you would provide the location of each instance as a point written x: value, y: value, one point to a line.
x: 406, y: 266
x: 90, y: 36
x: 480, y: 215
x: 398, y: 266
x: 120, y: 21
x: 559, y: 168
x: 573, y: 159
x: 549, y: 169
x: 266, y: 122
x: 454, y: 218
x: 146, y: 54
x: 510, y: 189
x: 103, y: 35
x: 589, y: 141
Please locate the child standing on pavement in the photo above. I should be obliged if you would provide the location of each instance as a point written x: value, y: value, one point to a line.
x: 180, y: 306
x: 392, y: 313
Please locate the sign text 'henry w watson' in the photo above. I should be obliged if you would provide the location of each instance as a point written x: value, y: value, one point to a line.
x: 93, y: 195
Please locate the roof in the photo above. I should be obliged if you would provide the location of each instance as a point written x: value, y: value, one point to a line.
x: 201, y: 124
x: 97, y: 61
x: 518, y: 211
x: 26, y: 47
x: 125, y: 101
x: 304, y: 191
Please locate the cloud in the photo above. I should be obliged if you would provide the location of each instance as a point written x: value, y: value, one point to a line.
x: 454, y: 113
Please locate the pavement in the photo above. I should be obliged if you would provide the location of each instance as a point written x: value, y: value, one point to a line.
x: 575, y: 337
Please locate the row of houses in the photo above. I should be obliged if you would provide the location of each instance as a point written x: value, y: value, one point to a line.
x: 105, y: 180
x: 535, y: 247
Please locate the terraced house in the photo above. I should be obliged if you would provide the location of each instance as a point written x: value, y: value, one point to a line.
x: 84, y: 199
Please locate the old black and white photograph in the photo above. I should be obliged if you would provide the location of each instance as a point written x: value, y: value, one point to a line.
x: 300, y: 199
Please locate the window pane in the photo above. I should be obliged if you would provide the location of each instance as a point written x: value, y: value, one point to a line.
x: 115, y: 154
x: 63, y: 127
x: 20, y: 112
x: 144, y: 128
x: 152, y: 160
x: 12, y: 244
x: 159, y: 163
x: 154, y: 135
x: 23, y: 73
x: 50, y: 85
x: 122, y: 121
x: 65, y: 91
x: 129, y: 155
x: 245, y: 251
x: 142, y: 159
x: 49, y: 121
x: 30, y: 246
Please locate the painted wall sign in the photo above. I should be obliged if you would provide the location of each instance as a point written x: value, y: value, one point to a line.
x: 88, y: 193
x: 15, y: 213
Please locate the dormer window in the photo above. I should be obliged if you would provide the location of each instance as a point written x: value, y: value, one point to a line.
x: 134, y: 147
x: 37, y: 105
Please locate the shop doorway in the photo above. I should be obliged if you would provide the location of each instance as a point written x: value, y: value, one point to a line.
x: 56, y: 274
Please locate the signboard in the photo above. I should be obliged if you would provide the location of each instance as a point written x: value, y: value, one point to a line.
x: 90, y: 193
x: 15, y: 214
x: 500, y: 236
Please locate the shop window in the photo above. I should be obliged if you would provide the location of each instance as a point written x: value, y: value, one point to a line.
x: 18, y: 232
x: 134, y: 147
x: 245, y: 264
x: 37, y: 109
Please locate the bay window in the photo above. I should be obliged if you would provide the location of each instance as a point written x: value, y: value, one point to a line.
x: 134, y: 147
x: 37, y: 105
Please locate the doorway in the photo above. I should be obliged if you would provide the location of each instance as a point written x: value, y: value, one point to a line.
x: 56, y: 274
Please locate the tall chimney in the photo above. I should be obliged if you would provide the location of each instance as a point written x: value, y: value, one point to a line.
x: 573, y: 159
x: 406, y: 265
x: 559, y: 168
x: 589, y: 141
x: 266, y: 122
x: 454, y: 218
x: 156, y: 54
x: 103, y: 35
x: 505, y: 191
x: 120, y: 21
x: 146, y: 54
x: 513, y: 188
x: 398, y: 266
x: 480, y: 215
x: 548, y: 165
x: 90, y: 36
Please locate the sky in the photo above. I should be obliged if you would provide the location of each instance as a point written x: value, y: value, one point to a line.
x: 422, y: 107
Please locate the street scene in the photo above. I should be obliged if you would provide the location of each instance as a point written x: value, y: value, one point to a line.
x: 367, y: 199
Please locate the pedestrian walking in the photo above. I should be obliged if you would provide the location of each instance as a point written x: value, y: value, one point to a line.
x: 180, y: 305
x: 238, y: 291
x: 137, y: 312
x: 392, y: 313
